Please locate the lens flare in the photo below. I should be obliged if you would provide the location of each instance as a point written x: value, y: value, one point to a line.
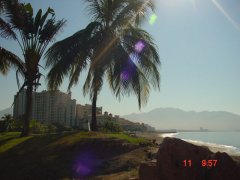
x: 129, y: 70
x: 84, y: 164
x: 139, y: 46
x: 125, y: 75
x: 152, y: 19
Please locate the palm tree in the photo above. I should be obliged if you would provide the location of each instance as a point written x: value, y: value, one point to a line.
x: 33, y: 34
x: 114, y: 46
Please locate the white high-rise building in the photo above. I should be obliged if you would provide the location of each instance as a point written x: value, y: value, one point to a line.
x: 48, y: 107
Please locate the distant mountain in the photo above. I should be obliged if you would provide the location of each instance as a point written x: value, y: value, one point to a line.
x: 172, y: 118
x: 6, y: 111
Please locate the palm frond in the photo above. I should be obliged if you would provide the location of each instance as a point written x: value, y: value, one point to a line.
x: 147, y: 59
x: 8, y: 59
x: 95, y: 9
x: 132, y: 12
x: 70, y: 47
x: 76, y: 69
x: 56, y: 75
x: 6, y: 30
x: 69, y: 57
x: 15, y: 13
x: 87, y: 83
x: 50, y: 29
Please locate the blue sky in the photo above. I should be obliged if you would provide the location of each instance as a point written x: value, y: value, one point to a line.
x: 199, y: 47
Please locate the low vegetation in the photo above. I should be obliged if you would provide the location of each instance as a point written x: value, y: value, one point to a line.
x: 10, y: 124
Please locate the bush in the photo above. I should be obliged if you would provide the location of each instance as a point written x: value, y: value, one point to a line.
x: 111, y: 126
x: 3, y: 126
x: 51, y: 128
x: 11, y: 125
x: 61, y: 127
x: 37, y: 127
x: 16, y: 125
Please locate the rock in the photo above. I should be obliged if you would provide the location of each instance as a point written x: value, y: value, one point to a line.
x: 225, y: 169
x: 177, y: 159
x: 148, y: 171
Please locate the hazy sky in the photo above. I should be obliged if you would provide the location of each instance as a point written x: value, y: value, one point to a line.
x: 199, y: 47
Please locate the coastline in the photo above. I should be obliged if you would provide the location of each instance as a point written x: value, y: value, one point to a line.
x: 214, y: 147
x: 231, y: 150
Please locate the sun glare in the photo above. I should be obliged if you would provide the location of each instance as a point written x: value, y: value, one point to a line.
x: 226, y: 14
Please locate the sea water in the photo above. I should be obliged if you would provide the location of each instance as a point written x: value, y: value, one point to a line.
x: 228, y: 142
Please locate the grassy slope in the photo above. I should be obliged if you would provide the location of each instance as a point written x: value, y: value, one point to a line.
x: 56, y: 155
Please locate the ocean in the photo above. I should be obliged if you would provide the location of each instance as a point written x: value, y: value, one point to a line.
x: 228, y: 142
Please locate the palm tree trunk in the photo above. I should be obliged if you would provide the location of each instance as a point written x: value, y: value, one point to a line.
x: 94, y: 118
x: 28, y: 111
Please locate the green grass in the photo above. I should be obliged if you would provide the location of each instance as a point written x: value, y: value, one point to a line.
x: 52, y: 155
x: 10, y: 139
x: 134, y: 140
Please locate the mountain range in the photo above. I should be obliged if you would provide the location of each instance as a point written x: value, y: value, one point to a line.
x: 173, y: 118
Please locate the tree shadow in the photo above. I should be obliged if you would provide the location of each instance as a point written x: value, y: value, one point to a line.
x: 6, y: 140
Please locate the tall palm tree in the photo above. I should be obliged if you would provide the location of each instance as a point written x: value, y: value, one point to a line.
x: 33, y: 34
x: 114, y: 46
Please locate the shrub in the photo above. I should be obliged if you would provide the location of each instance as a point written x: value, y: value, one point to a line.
x: 61, y: 127
x: 111, y: 126
x: 37, y: 127
x: 51, y: 128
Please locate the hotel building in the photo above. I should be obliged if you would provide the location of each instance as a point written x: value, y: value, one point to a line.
x: 48, y: 107
x: 56, y: 107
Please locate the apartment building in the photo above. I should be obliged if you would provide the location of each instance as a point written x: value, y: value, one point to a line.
x: 48, y: 107
x: 55, y: 106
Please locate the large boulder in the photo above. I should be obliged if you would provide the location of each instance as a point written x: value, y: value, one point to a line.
x: 180, y: 160
x: 148, y: 170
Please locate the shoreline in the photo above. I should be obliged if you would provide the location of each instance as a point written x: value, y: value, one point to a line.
x: 214, y: 147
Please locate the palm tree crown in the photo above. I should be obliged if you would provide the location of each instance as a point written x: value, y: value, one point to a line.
x: 114, y: 45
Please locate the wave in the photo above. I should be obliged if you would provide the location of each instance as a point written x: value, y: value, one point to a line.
x: 168, y: 135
